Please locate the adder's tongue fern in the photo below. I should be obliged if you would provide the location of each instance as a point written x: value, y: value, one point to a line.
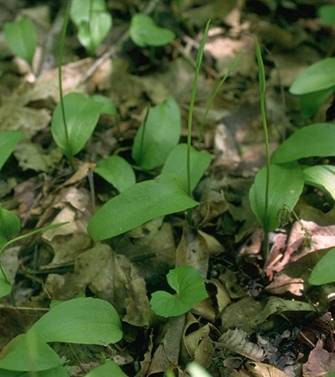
x: 60, y: 85
x: 262, y: 104
x: 199, y: 58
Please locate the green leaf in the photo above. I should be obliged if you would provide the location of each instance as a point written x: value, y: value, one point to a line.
x: 327, y: 14
x: 318, y: 76
x: 21, y: 37
x: 9, y: 373
x: 55, y: 372
x: 144, y: 32
x: 81, y: 320
x: 5, y: 287
x: 322, y: 177
x: 92, y: 20
x: 108, y: 106
x: 286, y: 185
x: 80, y: 9
x: 310, y: 103
x: 8, y: 141
x: 27, y: 352
x: 324, y: 271
x: 158, y: 136
x: 140, y: 203
x: 82, y: 114
x: 116, y: 171
x: 110, y: 368
x: 9, y: 226
x: 310, y: 141
x: 190, y: 290
x: 175, y: 166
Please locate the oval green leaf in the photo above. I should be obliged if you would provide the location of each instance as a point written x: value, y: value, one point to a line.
x: 82, y: 114
x: 158, y: 136
x: 116, y: 171
x: 142, y: 202
x: 327, y: 14
x: 8, y: 141
x: 81, y: 320
x: 110, y: 368
x: 55, y: 372
x: 310, y: 141
x: 310, y: 103
x: 5, y: 287
x: 21, y: 37
x: 285, y: 188
x: 190, y: 290
x: 144, y: 32
x: 175, y: 166
x: 322, y: 177
x: 92, y: 20
x: 9, y: 226
x: 107, y: 105
x: 27, y: 352
x: 317, y: 77
x: 324, y: 271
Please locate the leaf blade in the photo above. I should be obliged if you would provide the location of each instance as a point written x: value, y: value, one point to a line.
x: 145, y: 32
x: 83, y: 320
x: 117, y: 171
x: 160, y: 134
x: 310, y: 141
x: 286, y: 185
x: 140, y: 203
x: 82, y: 114
x: 190, y: 290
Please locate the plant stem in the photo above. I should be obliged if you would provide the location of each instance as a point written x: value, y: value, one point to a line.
x: 231, y: 67
x: 262, y: 104
x: 60, y: 63
x: 199, y: 58
x: 143, y: 135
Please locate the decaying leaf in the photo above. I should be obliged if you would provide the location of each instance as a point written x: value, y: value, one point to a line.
x: 237, y: 341
x: 16, y: 115
x: 320, y: 362
x: 167, y: 353
x: 305, y: 237
x: 264, y: 370
x: 109, y: 276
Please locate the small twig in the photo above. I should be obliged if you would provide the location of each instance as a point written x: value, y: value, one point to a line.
x: 90, y: 178
x: 23, y: 308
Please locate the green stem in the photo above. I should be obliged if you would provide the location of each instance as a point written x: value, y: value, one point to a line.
x: 143, y: 135
x: 199, y: 58
x: 60, y: 81
x: 231, y: 67
x: 262, y: 104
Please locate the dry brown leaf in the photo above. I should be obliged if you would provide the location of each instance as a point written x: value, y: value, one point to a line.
x: 319, y: 363
x: 264, y: 370
x: 167, y: 352
x: 305, y: 237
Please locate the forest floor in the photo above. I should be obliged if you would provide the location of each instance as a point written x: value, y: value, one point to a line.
x: 261, y: 318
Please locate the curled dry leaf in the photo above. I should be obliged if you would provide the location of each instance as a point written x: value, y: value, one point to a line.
x: 264, y: 370
x: 167, y: 353
x: 320, y: 362
x: 305, y: 237
x: 237, y: 341
x: 109, y: 276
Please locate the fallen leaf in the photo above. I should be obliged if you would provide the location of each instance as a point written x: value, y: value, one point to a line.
x: 320, y: 362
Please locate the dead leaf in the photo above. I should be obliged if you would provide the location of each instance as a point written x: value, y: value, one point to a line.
x: 264, y: 370
x: 320, y: 362
x: 167, y: 353
x: 305, y: 237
